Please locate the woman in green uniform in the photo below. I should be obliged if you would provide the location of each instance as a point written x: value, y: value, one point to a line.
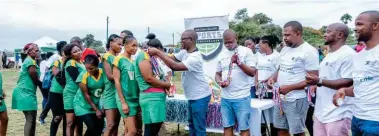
x: 24, y: 95
x: 126, y: 85
x: 3, y: 110
x: 87, y: 106
x: 113, y: 46
x: 153, y: 87
x: 73, y: 67
x: 56, y: 90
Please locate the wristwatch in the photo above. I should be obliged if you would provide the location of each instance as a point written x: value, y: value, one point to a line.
x: 319, y: 84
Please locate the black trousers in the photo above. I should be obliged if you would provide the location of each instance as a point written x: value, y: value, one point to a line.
x: 94, y: 125
x: 30, y: 123
x: 152, y: 129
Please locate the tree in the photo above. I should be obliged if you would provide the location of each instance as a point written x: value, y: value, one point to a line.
x: 346, y: 18
x: 271, y: 29
x: 246, y: 29
x: 261, y: 19
x: 241, y: 15
x: 313, y: 36
x: 90, y: 42
x: 323, y: 29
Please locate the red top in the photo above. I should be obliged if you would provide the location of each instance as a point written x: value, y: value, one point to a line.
x: 86, y: 52
x: 358, y: 48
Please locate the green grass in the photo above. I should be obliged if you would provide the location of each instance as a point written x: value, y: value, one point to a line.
x: 17, y: 120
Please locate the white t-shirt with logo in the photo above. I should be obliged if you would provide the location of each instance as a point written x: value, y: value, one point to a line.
x: 239, y: 86
x: 294, y: 62
x: 366, y: 84
x: 336, y: 65
x: 193, y: 80
x: 267, y: 65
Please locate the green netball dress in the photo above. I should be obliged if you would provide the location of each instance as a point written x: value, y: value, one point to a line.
x: 109, y: 99
x: 128, y: 84
x: 95, y: 87
x: 2, y: 105
x: 55, y: 86
x: 153, y: 104
x: 71, y: 87
x: 24, y: 95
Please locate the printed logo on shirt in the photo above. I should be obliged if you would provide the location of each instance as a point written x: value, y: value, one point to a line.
x: 285, y: 69
x: 295, y: 58
x: 363, y: 79
x: 329, y: 64
x: 265, y: 68
x: 371, y: 63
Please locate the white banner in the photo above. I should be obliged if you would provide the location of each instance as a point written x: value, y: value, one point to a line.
x: 210, y: 42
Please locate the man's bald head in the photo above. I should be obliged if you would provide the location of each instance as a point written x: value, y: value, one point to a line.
x: 229, y: 32
x: 191, y: 33
x: 340, y: 28
x: 374, y: 15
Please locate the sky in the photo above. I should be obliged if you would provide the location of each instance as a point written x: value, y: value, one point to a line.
x: 24, y: 21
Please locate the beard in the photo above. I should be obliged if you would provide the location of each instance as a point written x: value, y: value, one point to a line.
x: 328, y: 42
x: 364, y: 37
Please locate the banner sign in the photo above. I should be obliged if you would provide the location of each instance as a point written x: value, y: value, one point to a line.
x: 210, y: 41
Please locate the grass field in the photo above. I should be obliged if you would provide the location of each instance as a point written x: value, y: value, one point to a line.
x: 17, y: 120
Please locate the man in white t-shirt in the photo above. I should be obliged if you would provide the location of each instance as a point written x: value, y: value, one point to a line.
x: 335, y: 73
x: 365, y: 89
x: 196, y: 87
x: 297, y: 59
x: 235, y: 94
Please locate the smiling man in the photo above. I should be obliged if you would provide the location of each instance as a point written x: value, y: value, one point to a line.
x: 297, y: 59
x: 365, y: 77
x: 335, y: 73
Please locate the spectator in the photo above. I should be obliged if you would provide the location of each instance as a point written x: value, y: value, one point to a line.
x: 360, y: 46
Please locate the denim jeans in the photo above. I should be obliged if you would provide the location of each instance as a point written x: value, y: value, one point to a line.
x: 252, y: 92
x: 239, y: 109
x: 197, y: 115
x: 361, y: 127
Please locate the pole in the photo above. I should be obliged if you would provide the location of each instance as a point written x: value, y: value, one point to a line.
x: 173, y: 39
x: 148, y: 30
x: 107, y: 27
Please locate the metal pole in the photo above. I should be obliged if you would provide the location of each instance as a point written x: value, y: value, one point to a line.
x: 148, y: 30
x: 173, y: 39
x: 107, y: 27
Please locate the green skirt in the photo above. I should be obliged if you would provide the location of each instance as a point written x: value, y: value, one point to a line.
x: 68, y: 99
x: 133, y: 106
x: 153, y: 106
x: 109, y: 98
x: 24, y: 100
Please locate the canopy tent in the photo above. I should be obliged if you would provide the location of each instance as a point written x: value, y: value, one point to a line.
x: 46, y: 44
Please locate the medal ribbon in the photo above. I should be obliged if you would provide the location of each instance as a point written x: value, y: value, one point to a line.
x: 309, y: 96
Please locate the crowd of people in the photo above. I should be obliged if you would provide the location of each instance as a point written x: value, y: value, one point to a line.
x: 132, y: 82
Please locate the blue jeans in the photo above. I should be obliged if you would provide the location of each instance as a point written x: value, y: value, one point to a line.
x: 239, y: 109
x: 252, y: 92
x: 360, y: 127
x: 197, y: 115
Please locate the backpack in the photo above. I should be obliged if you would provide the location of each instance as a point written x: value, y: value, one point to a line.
x: 46, y: 82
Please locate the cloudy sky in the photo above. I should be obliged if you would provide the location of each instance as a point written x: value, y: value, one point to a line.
x: 24, y: 21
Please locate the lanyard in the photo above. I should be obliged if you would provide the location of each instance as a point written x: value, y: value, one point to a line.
x: 229, y: 76
x: 155, y: 64
x: 309, y: 96
x: 277, y: 98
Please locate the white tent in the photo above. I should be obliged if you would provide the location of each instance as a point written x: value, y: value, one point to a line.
x: 46, y: 42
